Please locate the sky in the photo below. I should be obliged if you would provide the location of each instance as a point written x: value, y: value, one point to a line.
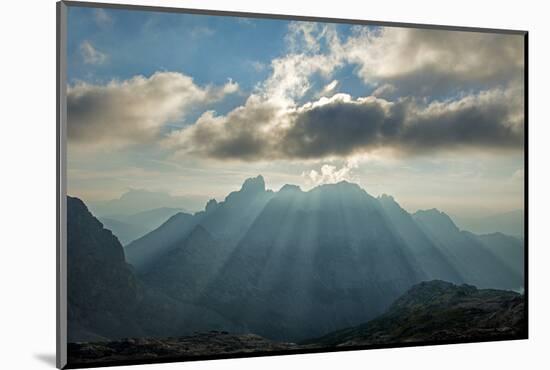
x: 192, y: 105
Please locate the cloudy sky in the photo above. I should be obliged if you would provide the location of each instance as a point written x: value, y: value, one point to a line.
x: 193, y: 104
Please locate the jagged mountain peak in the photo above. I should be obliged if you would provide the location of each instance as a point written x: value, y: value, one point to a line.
x: 80, y: 213
x: 290, y: 188
x: 433, y: 212
x: 345, y: 191
x: 340, y: 186
x: 178, y: 217
x: 254, y: 184
x: 435, y: 217
x: 76, y: 203
x: 386, y: 198
x: 211, y: 205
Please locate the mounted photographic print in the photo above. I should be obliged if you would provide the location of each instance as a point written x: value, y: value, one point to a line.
x: 235, y: 185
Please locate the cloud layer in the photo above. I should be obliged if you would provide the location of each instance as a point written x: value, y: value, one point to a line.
x: 423, y: 61
x: 420, y: 62
x: 342, y: 126
x: 330, y: 174
x: 134, y: 110
x: 405, y: 113
x: 431, y: 90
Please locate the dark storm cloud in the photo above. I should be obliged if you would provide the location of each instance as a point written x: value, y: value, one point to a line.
x: 341, y: 126
x: 472, y: 126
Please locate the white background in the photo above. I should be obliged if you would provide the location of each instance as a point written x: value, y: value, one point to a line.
x: 27, y: 211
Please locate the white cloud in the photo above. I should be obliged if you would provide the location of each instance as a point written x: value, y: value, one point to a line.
x: 341, y: 126
x: 102, y: 18
x: 330, y: 174
x: 135, y: 110
x: 384, y: 90
x: 275, y: 124
x: 422, y: 60
x: 91, y: 55
x: 414, y: 61
x: 304, y: 37
x: 290, y: 78
x: 328, y: 90
x: 229, y: 88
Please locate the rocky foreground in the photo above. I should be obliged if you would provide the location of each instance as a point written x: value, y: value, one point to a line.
x: 438, y: 311
x: 430, y: 312
x: 146, y: 349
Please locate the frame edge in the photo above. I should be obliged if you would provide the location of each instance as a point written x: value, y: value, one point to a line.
x: 61, y: 199
x: 61, y: 190
x: 304, y: 18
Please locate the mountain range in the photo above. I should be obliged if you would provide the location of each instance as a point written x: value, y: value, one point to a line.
x: 138, y: 200
x: 105, y: 298
x: 509, y: 223
x: 287, y: 265
x: 312, y: 261
x: 131, y: 227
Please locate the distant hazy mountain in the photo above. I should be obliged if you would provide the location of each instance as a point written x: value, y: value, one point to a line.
x: 152, y: 218
x: 439, y: 311
x: 291, y: 264
x: 509, y: 223
x: 136, y: 201
x: 478, y: 264
x: 125, y: 232
x: 105, y: 298
x: 433, y: 261
x: 508, y: 248
x: 227, y: 220
x: 131, y: 227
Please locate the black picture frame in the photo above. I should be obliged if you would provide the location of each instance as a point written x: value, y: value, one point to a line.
x: 61, y: 185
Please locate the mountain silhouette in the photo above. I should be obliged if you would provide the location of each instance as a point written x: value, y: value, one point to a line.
x: 477, y: 259
x: 228, y: 220
x: 508, y: 248
x: 102, y: 289
x: 509, y: 223
x: 439, y: 311
x: 286, y: 265
x: 136, y: 201
x: 105, y: 298
x: 128, y: 228
x: 295, y: 264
